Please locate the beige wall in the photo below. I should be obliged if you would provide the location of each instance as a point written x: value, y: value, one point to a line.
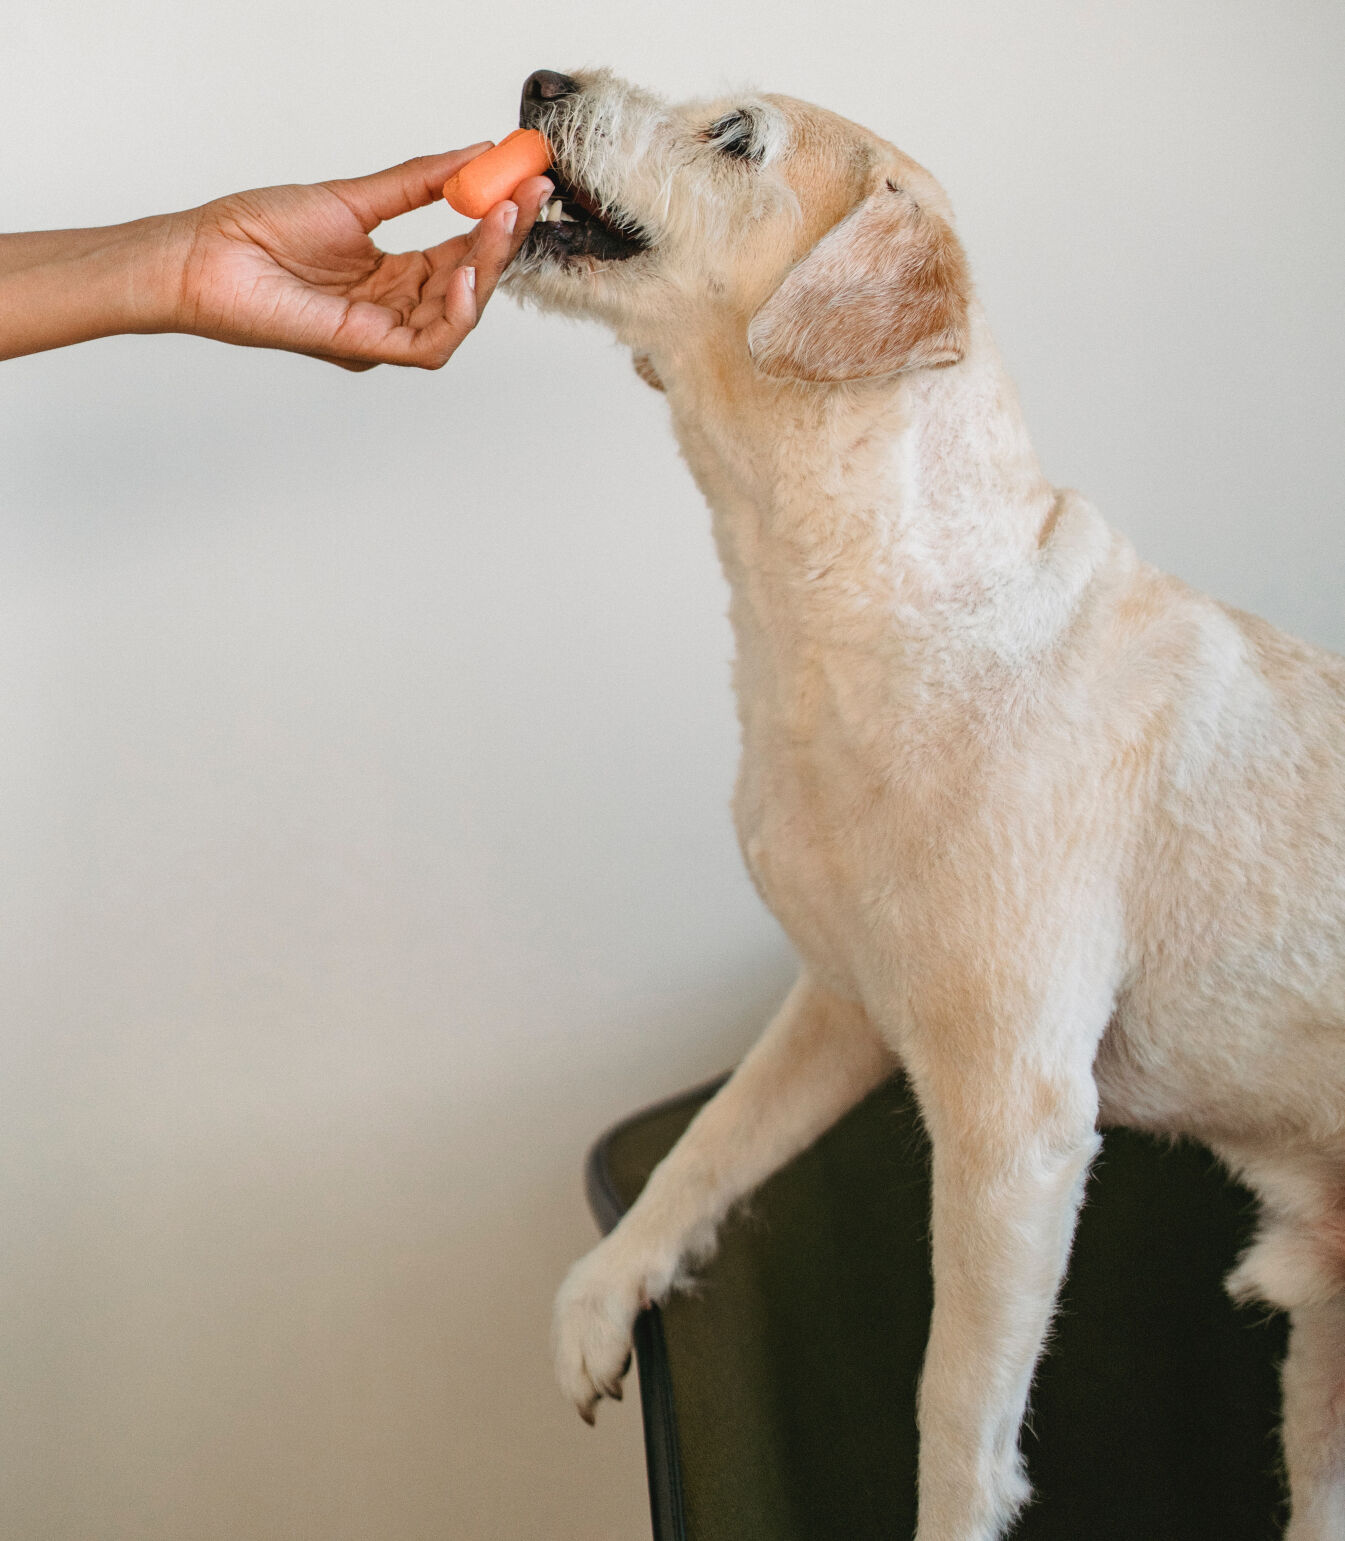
x: 368, y: 740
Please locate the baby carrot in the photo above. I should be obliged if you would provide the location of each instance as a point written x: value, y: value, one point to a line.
x: 494, y: 174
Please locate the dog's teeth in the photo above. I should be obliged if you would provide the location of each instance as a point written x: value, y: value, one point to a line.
x: 554, y: 210
x: 565, y: 216
x: 542, y: 213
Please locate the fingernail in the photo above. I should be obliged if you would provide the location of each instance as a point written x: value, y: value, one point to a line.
x: 471, y: 277
x: 510, y: 217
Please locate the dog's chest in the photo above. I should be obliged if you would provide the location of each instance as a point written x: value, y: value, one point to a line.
x: 827, y: 837
x: 789, y: 830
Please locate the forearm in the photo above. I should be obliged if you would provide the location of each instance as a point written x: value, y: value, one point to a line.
x: 66, y: 286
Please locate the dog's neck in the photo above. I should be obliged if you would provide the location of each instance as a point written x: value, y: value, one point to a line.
x: 905, y: 505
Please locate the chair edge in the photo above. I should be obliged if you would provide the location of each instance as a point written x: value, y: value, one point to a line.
x: 604, y: 1200
x: 663, y: 1461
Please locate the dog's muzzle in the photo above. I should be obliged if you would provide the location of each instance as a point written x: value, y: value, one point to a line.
x: 574, y: 223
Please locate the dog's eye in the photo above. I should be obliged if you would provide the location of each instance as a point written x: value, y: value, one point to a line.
x: 734, y: 135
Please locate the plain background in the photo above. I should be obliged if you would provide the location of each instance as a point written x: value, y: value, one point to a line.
x: 367, y: 740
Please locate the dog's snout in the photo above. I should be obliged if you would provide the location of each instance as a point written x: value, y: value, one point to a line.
x: 540, y: 89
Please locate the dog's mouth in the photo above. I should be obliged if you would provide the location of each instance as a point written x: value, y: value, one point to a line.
x: 574, y: 224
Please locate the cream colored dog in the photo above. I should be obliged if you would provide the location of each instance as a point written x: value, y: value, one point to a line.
x: 1061, y: 837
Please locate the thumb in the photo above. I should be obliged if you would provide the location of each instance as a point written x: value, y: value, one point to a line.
x: 411, y: 185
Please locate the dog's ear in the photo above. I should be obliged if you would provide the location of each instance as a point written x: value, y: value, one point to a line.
x: 886, y: 289
x: 646, y: 370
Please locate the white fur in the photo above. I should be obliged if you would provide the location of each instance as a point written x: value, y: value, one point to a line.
x: 1060, y: 836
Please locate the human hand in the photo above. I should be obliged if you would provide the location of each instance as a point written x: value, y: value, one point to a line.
x: 294, y: 267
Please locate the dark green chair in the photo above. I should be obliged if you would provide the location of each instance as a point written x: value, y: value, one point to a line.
x: 779, y: 1396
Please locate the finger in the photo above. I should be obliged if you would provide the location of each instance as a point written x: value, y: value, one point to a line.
x: 411, y: 185
x: 528, y: 197
x: 495, y: 253
x: 431, y: 345
x: 495, y: 246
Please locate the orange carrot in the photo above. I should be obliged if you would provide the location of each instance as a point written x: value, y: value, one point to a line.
x: 494, y: 174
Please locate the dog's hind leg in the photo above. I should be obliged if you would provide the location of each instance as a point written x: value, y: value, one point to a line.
x: 1314, y: 1421
x: 1297, y: 1263
x: 815, y: 1061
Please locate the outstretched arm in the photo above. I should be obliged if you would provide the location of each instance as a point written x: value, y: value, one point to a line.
x: 278, y: 267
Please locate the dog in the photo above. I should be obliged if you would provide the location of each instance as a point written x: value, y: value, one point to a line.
x: 1051, y: 831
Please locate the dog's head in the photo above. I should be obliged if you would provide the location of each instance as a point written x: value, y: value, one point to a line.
x: 759, y: 222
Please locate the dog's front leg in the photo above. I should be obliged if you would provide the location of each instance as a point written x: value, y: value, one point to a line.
x: 1012, y: 1143
x: 1314, y: 1420
x: 814, y: 1062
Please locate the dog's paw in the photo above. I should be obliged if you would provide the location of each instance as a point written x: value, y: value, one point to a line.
x: 595, y: 1313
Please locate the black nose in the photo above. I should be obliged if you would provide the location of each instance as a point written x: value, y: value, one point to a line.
x: 540, y: 88
x: 547, y: 85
